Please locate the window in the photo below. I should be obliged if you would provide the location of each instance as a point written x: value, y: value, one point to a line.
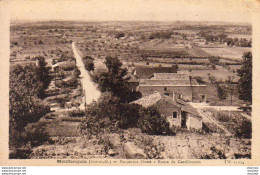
x: 167, y: 94
x: 174, y: 114
x: 165, y: 88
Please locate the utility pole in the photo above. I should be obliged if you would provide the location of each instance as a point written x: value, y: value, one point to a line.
x: 85, y: 102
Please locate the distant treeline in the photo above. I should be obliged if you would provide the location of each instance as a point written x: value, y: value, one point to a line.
x: 165, y: 35
x: 242, y: 42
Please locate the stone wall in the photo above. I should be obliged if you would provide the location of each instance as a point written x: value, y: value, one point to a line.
x: 193, y: 122
x: 188, y: 93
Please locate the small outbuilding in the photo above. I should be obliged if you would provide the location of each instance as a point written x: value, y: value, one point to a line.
x: 178, y: 112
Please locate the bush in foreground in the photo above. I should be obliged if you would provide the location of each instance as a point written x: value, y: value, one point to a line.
x: 151, y: 122
x: 110, y: 115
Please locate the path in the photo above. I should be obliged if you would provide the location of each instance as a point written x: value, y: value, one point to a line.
x: 206, y: 117
x: 88, y: 86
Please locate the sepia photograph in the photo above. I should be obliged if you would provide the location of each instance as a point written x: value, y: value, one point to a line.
x: 130, y: 80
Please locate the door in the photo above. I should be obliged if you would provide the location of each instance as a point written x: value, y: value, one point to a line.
x: 183, y: 119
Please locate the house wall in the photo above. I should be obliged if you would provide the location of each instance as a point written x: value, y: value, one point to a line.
x: 188, y: 93
x: 193, y: 122
x: 167, y: 109
x: 184, y: 90
x: 132, y: 86
x: 197, y: 92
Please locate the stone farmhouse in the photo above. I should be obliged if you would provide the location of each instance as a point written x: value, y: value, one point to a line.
x: 177, y: 112
x: 173, y: 84
x: 167, y: 82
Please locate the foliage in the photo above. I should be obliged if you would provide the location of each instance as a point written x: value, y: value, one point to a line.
x: 24, y: 107
x: 214, y: 60
x: 151, y: 122
x: 23, y: 81
x: 43, y: 75
x: 242, y: 42
x: 110, y: 115
x: 20, y: 153
x: 215, y: 154
x: 245, y: 81
x: 176, y: 66
x: 113, y: 81
x: 212, y: 79
x: 120, y: 35
x: 244, y: 130
x: 96, y: 122
x: 36, y: 134
x: 76, y: 72
x: 161, y: 35
x: 89, y: 63
x: 76, y: 113
x: 152, y: 149
x: 222, y: 92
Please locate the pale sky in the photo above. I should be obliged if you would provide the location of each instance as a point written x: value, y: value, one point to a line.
x: 142, y: 10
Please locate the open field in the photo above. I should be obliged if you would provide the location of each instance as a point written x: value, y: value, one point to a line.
x: 227, y: 52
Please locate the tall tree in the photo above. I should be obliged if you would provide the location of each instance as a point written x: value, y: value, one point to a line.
x: 89, y: 63
x: 113, y: 81
x: 24, y: 107
x: 245, y: 81
x: 43, y: 75
x: 222, y: 92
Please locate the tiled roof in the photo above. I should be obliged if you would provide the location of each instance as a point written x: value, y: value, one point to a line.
x: 189, y: 109
x: 131, y: 78
x: 154, y: 98
x: 151, y: 82
x: 146, y: 73
x: 170, y: 76
x: 149, y: 100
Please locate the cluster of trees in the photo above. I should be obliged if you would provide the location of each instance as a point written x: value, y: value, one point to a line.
x: 27, y: 88
x: 113, y: 111
x: 211, y: 38
x: 244, y: 86
x: 161, y: 35
x: 113, y: 81
x: 242, y: 42
x: 109, y: 114
x: 245, y: 81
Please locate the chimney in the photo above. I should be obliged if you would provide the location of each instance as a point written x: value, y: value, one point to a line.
x: 173, y: 96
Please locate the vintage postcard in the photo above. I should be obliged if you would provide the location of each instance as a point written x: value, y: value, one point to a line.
x: 132, y: 82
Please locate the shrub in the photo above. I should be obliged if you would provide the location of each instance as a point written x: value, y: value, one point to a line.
x: 151, y: 122
x: 76, y: 72
x: 76, y: 113
x: 223, y: 117
x: 152, y: 149
x: 20, y: 153
x: 222, y: 92
x: 96, y: 124
x: 244, y: 130
x: 36, y: 134
x: 89, y: 63
x: 215, y: 154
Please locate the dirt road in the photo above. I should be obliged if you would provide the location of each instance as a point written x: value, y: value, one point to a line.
x: 89, y: 87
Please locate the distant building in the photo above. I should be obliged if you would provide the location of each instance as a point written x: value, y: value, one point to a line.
x: 132, y: 82
x: 147, y: 72
x: 173, y: 83
x: 177, y: 112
